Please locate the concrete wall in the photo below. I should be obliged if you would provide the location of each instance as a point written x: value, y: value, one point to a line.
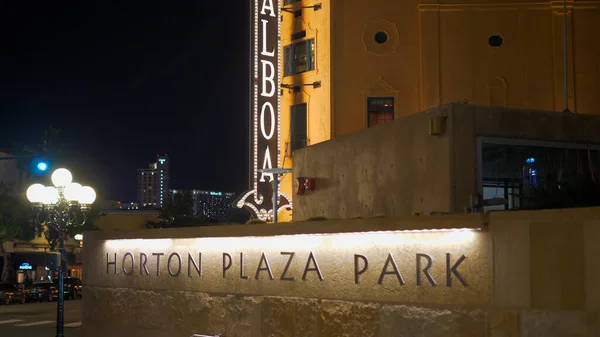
x: 398, y: 169
x: 392, y: 169
x: 528, y: 274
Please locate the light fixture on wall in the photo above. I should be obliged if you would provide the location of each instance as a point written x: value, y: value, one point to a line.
x: 315, y: 7
x: 437, y: 125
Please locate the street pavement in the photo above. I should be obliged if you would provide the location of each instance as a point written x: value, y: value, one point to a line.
x: 39, y: 319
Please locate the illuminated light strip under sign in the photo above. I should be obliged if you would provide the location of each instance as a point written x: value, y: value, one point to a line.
x: 165, y: 243
x: 266, y: 110
x: 304, y: 241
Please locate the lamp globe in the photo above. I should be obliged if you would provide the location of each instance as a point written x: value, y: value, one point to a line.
x: 35, y: 193
x: 61, y: 177
x: 87, y: 195
x: 50, y: 195
x: 73, y: 192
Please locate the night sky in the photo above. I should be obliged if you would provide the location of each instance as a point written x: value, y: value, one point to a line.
x: 126, y: 80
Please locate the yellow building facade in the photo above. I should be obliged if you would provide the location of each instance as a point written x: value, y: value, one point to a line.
x: 348, y: 65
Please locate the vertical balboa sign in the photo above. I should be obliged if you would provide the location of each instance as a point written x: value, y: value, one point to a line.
x: 265, y: 110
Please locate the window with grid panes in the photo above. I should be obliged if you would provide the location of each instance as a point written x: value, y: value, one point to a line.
x: 379, y: 110
x: 299, y: 57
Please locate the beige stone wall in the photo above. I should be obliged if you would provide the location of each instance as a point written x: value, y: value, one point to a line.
x: 119, y: 312
x: 529, y: 273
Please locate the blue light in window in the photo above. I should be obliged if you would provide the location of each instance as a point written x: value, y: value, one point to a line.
x: 530, y: 160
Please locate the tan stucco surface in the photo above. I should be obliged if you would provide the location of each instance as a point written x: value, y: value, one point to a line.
x: 393, y: 169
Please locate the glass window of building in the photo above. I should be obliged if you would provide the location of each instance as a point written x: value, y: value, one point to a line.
x: 298, y: 127
x: 522, y: 174
x: 299, y: 57
x: 379, y: 110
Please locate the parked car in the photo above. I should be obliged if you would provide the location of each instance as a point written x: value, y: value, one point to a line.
x: 42, y: 291
x: 73, y: 288
x: 9, y: 293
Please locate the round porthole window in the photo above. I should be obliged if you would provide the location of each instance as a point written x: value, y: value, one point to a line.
x: 381, y: 37
x: 495, y: 40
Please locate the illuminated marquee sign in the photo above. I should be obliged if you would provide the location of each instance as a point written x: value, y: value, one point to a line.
x: 266, y: 110
x: 395, y: 266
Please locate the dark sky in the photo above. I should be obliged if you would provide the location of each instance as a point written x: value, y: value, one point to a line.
x: 125, y: 80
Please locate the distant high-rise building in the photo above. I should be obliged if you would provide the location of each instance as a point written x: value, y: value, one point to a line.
x: 153, y: 183
x: 212, y: 205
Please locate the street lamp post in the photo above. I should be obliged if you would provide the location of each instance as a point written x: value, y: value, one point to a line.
x: 61, y: 203
x: 277, y: 175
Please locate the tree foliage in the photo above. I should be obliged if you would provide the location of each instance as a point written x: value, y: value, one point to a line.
x: 15, y: 224
x: 178, y: 212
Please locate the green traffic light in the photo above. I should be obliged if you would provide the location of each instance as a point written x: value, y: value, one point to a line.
x: 42, y: 166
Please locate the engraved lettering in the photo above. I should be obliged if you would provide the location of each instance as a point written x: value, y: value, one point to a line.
x: 143, y: 261
x: 308, y: 268
x: 453, y: 270
x: 395, y: 271
x: 158, y: 255
x: 358, y: 272
x: 171, y: 272
x: 242, y: 276
x: 114, y: 264
x: 226, y: 266
x: 263, y: 259
x: 123, y: 263
x: 424, y: 270
x: 191, y: 263
x: 287, y: 267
